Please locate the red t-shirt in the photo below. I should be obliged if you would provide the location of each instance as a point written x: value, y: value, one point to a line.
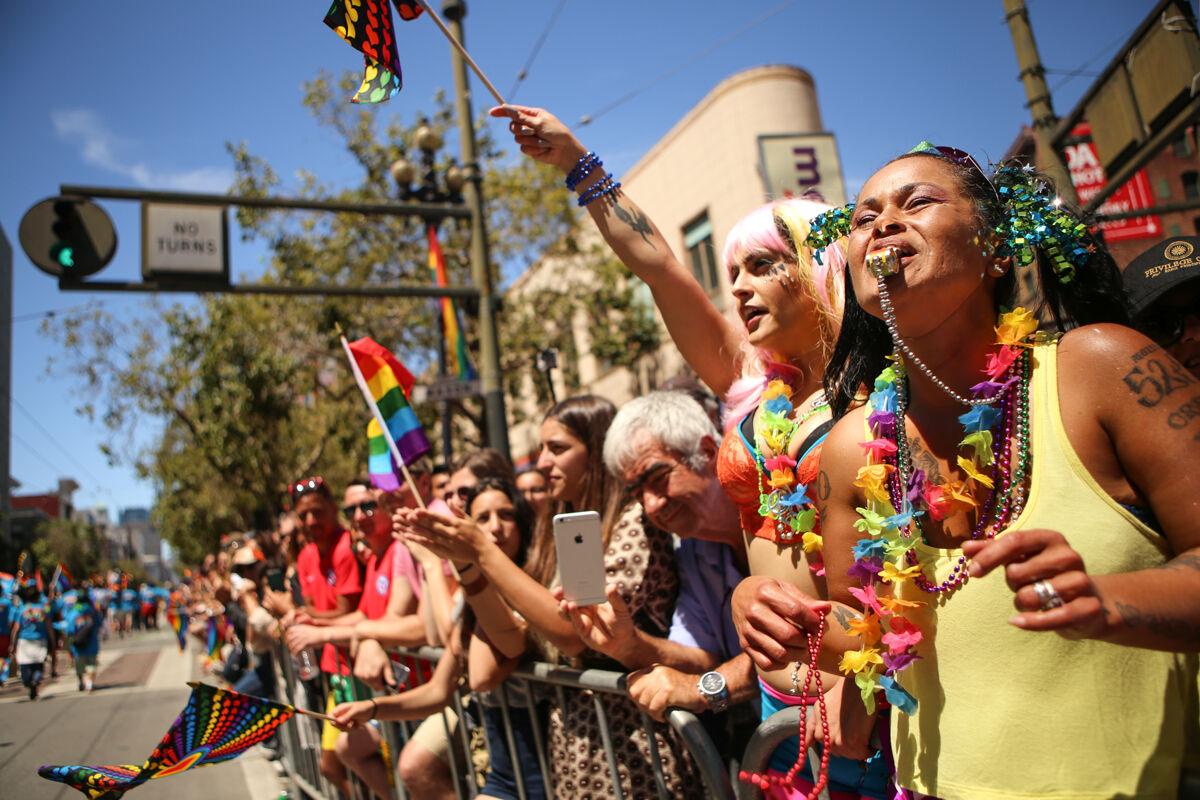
x: 322, y: 581
x: 377, y: 586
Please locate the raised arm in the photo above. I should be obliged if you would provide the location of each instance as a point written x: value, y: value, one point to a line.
x: 709, y: 342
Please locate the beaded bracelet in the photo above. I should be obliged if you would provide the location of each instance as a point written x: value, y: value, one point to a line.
x: 606, y: 186
x: 583, y: 167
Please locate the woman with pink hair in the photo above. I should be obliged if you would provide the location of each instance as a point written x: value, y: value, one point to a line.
x: 767, y: 364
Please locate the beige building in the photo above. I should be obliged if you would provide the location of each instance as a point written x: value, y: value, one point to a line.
x: 754, y: 130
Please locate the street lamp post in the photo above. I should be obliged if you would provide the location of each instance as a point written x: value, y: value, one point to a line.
x: 430, y: 190
x: 481, y: 276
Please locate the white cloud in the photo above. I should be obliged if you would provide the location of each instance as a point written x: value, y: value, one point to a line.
x: 100, y: 148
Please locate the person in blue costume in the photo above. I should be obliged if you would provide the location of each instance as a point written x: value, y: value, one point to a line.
x: 82, y: 621
x: 31, y: 636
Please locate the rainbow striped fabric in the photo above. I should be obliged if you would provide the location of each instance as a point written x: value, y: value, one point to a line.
x: 459, y: 360
x: 389, y: 383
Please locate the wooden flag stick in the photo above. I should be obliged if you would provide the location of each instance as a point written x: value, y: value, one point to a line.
x: 387, y: 434
x: 437, y: 20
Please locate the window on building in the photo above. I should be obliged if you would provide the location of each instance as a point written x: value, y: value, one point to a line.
x: 1174, y: 230
x: 1182, y: 147
x: 1162, y: 188
x: 1196, y: 222
x: 698, y: 241
x: 1191, y: 185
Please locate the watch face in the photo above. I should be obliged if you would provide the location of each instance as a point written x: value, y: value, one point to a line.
x: 712, y: 682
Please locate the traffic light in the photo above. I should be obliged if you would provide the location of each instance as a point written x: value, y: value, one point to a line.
x: 68, y: 234
x: 68, y: 237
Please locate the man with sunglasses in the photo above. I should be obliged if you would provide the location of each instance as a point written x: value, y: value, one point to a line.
x: 331, y: 584
x: 1163, y: 286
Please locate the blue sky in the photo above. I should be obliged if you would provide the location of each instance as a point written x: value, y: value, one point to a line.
x: 146, y: 94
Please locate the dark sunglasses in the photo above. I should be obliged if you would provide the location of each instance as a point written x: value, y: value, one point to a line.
x: 367, y: 507
x: 306, y: 485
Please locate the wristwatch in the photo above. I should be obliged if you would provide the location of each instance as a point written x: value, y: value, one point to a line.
x: 714, y: 691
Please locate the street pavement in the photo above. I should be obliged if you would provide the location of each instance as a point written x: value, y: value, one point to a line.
x: 141, y: 688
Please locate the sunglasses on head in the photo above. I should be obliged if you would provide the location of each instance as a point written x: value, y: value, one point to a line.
x: 367, y: 507
x: 961, y: 157
x: 306, y: 485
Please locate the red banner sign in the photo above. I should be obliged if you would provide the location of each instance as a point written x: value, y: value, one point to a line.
x: 1089, y: 178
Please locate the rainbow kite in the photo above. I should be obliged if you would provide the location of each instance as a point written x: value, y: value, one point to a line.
x: 216, y: 725
x: 456, y: 344
x: 386, y: 383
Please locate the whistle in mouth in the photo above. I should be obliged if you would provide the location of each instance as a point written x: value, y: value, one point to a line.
x: 884, y: 263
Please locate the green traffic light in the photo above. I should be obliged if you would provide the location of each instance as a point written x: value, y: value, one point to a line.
x: 64, y: 255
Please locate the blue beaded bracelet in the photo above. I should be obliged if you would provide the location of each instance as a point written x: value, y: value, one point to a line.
x: 583, y: 167
x: 606, y: 186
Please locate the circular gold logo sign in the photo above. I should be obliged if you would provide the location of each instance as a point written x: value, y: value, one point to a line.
x: 1177, y: 250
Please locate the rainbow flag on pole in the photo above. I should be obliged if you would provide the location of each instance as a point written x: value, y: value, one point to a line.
x: 456, y: 345
x: 385, y: 384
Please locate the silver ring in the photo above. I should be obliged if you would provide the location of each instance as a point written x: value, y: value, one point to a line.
x: 1048, y: 596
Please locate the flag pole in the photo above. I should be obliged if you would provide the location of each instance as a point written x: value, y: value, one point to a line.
x: 437, y: 20
x: 387, y: 434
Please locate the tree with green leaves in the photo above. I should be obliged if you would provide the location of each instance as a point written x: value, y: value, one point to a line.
x: 253, y: 392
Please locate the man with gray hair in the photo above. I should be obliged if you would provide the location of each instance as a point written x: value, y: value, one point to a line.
x: 664, y: 447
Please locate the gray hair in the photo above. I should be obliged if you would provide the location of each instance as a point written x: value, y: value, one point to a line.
x: 673, y: 419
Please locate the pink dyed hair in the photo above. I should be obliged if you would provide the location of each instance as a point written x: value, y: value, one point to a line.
x: 780, y: 228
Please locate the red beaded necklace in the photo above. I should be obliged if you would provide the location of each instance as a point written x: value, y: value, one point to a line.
x: 812, y: 680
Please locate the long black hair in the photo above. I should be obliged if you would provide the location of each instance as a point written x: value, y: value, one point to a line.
x: 1095, y: 294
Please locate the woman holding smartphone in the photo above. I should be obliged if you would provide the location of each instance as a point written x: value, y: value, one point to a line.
x: 638, y: 558
x: 767, y: 365
x: 486, y: 645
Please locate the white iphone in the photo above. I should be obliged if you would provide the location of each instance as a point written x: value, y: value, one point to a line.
x: 578, y: 540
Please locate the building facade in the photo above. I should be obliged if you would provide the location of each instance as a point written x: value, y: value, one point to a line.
x: 695, y: 182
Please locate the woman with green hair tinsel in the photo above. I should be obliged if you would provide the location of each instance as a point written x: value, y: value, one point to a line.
x: 983, y: 462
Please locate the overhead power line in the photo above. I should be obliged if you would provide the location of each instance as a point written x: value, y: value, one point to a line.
x: 54, y: 467
x: 589, y: 118
x: 537, y: 47
x: 87, y: 473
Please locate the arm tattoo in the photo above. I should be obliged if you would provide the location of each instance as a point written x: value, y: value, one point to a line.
x: 822, y: 486
x: 636, y: 220
x: 844, y: 616
x: 1154, y: 376
x: 923, y: 459
x: 1160, y: 624
x: 1185, y: 561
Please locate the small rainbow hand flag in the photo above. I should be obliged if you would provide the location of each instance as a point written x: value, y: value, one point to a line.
x: 214, y: 639
x: 178, y: 621
x: 216, y: 725
x: 385, y: 384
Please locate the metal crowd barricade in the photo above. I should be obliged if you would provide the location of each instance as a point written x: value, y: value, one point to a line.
x: 770, y: 733
x: 300, y: 743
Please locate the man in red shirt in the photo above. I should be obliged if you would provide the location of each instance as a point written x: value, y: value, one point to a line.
x: 369, y: 512
x: 331, y: 584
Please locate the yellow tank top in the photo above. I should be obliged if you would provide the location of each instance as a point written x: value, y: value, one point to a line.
x: 1006, y: 713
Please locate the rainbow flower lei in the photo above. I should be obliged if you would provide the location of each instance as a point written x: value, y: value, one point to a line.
x: 784, y: 497
x: 884, y: 554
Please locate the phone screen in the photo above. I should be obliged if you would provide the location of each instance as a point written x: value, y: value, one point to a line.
x: 578, y: 540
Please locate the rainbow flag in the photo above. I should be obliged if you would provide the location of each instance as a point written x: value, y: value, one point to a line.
x: 456, y: 345
x: 388, y: 383
x: 62, y: 578
x: 178, y: 621
x: 216, y: 725
x: 214, y: 640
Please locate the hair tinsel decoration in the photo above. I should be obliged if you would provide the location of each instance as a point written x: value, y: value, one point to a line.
x: 1034, y: 217
x: 827, y: 227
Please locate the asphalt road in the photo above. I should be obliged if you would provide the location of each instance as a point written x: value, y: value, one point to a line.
x: 140, y: 690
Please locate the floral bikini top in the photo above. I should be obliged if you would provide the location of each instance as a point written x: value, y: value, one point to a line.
x: 744, y: 474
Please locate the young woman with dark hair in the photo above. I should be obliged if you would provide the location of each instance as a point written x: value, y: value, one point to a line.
x: 638, y: 558
x: 990, y: 465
